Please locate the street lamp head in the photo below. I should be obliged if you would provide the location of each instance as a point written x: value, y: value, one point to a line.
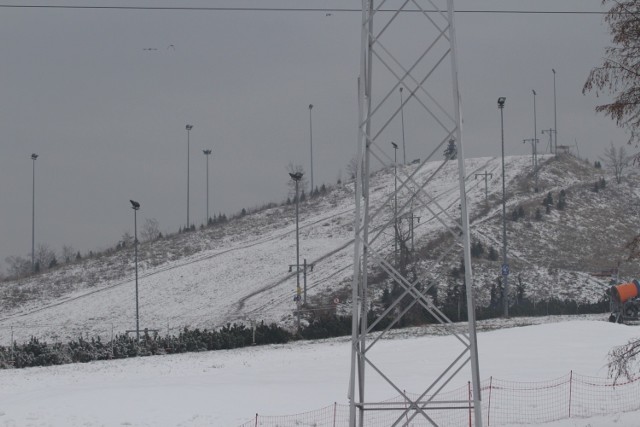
x: 135, y: 205
x: 400, y: 88
x: 501, y: 101
x: 395, y: 146
x: 534, y: 92
x: 554, y: 70
x: 296, y: 176
x: 207, y: 152
x: 34, y: 156
x: 189, y: 127
x: 310, y: 106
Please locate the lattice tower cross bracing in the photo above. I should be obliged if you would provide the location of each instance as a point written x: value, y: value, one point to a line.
x: 419, y: 62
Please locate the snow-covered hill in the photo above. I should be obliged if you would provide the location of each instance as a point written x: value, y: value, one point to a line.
x: 239, y: 271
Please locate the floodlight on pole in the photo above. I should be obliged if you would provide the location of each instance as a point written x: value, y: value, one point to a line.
x: 34, y: 156
x: 505, y: 264
x: 207, y: 153
x: 535, y: 140
x: 555, y: 116
x: 404, y: 152
x: 136, y: 206
x: 188, y: 127
x: 395, y: 202
x: 296, y: 177
x: 311, y: 145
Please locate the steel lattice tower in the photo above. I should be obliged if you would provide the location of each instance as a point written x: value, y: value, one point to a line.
x: 422, y: 73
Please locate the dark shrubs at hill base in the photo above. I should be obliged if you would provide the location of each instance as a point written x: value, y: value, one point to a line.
x: 323, y: 324
x: 40, y: 353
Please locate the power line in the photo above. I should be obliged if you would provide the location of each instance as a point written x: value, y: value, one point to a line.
x: 289, y: 9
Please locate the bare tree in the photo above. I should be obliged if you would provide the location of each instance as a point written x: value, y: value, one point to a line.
x: 616, y: 161
x: 623, y: 360
x: 68, y: 253
x: 18, y: 266
x: 44, y: 255
x: 126, y: 240
x: 618, y: 75
x: 150, y: 230
x: 352, y: 168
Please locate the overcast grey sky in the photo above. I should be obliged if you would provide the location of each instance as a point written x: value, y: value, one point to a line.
x: 103, y: 97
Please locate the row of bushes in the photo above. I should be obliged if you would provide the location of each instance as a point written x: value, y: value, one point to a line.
x: 320, y: 325
x: 40, y: 353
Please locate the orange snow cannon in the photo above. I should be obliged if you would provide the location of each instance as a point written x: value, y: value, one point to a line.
x: 625, y: 301
x: 624, y: 292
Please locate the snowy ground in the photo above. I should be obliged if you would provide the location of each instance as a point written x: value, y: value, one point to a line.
x: 226, y: 388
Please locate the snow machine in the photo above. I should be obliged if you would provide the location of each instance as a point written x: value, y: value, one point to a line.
x: 625, y: 302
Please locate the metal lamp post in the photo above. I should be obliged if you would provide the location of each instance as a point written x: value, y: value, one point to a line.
x: 207, y: 153
x: 34, y: 156
x: 188, y: 127
x: 395, y: 202
x: 311, y: 146
x: 296, y: 177
x: 135, y: 206
x: 535, y: 140
x: 505, y: 265
x: 404, y: 152
x: 555, y: 116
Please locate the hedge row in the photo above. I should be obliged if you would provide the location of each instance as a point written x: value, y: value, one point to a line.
x: 40, y: 353
x: 319, y: 325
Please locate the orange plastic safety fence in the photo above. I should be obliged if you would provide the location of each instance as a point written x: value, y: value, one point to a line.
x: 503, y: 403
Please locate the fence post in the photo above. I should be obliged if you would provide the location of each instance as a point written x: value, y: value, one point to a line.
x: 570, y: 390
x: 489, y: 406
x: 470, y: 399
x: 406, y: 413
x: 335, y: 404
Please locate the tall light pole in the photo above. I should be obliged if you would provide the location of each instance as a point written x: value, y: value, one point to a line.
x: 311, y: 147
x: 395, y: 202
x: 404, y: 152
x: 188, y: 127
x: 296, y: 177
x: 135, y: 206
x: 535, y: 140
x: 555, y: 116
x: 207, y: 153
x: 34, y: 156
x: 505, y: 264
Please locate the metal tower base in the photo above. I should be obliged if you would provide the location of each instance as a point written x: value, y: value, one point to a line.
x: 414, y: 48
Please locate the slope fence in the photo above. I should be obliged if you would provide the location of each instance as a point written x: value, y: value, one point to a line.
x: 503, y: 403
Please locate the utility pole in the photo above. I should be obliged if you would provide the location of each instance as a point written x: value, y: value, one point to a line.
x: 412, y: 220
x: 188, y: 128
x: 550, y: 132
x: 555, y: 116
x: 486, y: 175
x: 207, y: 153
x: 311, y: 147
x: 533, y: 150
x: 136, y: 206
x: 404, y: 151
x: 395, y: 202
x: 505, y: 263
x: 305, y: 266
x: 34, y: 156
x: 535, y: 136
x: 296, y: 177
